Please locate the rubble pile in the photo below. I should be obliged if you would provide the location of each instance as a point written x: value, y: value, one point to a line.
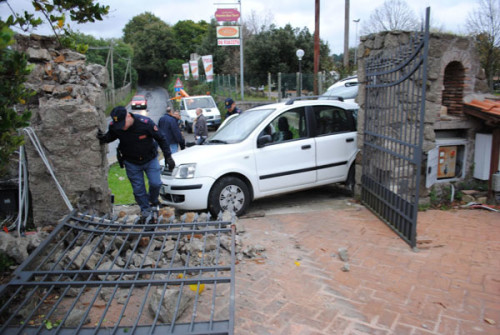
x: 172, y: 271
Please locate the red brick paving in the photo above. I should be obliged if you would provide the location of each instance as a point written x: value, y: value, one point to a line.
x: 449, y: 286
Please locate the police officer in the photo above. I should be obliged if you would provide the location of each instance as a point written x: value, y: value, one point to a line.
x: 139, y: 138
x: 231, y: 107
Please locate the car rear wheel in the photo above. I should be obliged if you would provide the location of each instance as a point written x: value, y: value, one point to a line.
x: 229, y: 194
x: 350, y: 183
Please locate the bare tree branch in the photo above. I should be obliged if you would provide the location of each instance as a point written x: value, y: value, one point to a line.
x: 392, y: 15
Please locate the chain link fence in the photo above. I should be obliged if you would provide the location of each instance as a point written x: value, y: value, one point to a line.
x: 277, y: 86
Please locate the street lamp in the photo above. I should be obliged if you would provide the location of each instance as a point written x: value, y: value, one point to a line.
x: 356, y: 44
x: 300, y: 54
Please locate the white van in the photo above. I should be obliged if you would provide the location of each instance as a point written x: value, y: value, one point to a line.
x: 205, y: 102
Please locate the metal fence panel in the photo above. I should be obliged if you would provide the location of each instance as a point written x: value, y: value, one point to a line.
x: 94, y: 275
x: 393, y: 134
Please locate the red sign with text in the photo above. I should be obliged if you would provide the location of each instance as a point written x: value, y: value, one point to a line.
x: 227, y: 14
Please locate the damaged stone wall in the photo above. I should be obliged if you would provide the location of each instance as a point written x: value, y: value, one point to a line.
x: 66, y: 111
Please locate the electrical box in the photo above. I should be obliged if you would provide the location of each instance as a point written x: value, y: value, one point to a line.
x: 482, y: 156
x: 446, y: 162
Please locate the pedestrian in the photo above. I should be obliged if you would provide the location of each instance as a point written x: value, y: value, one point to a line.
x: 139, y: 139
x: 200, y: 127
x: 169, y: 126
x: 231, y: 107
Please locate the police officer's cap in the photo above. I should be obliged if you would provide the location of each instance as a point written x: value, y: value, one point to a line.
x: 229, y: 102
x: 118, y: 115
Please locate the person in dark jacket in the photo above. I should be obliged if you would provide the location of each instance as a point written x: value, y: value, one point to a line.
x: 169, y: 126
x: 139, y: 139
x: 200, y: 127
x: 231, y: 107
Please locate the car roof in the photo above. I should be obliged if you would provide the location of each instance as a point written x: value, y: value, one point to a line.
x: 341, y: 82
x: 307, y: 101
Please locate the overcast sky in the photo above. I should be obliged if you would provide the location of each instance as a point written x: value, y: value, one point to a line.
x: 447, y: 14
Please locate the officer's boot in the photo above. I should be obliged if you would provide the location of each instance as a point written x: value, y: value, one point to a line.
x: 154, y: 214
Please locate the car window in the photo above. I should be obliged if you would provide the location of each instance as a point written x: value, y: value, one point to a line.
x: 238, y: 128
x: 331, y: 120
x: 287, y: 126
x: 194, y: 103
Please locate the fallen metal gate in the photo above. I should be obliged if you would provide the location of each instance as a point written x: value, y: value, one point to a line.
x: 393, y: 133
x: 94, y: 275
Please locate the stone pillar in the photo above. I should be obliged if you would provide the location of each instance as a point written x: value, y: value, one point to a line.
x: 66, y: 111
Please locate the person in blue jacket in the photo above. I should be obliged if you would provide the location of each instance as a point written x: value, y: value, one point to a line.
x: 169, y: 126
x: 139, y: 139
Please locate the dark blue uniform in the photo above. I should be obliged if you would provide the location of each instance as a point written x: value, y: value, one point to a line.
x: 236, y: 110
x: 139, y: 148
x: 138, y: 143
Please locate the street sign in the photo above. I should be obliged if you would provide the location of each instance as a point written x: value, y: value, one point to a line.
x: 228, y: 41
x: 178, y: 84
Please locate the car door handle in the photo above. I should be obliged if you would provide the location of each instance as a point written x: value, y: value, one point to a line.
x: 305, y: 147
x: 349, y: 139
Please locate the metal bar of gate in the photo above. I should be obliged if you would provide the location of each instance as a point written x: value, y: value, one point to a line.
x: 95, y: 275
x: 393, y: 133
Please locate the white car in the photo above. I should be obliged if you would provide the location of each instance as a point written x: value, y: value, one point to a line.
x: 264, y: 151
x: 346, y: 88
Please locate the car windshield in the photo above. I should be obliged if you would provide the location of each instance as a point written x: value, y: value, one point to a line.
x: 193, y: 103
x: 138, y: 98
x: 346, y: 91
x: 238, y: 128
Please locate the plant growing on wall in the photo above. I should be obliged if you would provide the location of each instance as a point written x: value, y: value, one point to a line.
x: 14, y: 66
x: 13, y: 71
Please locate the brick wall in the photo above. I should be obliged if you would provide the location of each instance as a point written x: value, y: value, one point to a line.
x: 453, y: 92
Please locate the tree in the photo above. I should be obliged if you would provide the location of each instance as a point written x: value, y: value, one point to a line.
x: 154, y: 43
x: 14, y: 66
x: 274, y: 50
x: 484, y: 24
x: 391, y: 15
x: 189, y: 35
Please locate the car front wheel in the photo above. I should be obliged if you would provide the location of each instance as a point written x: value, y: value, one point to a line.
x: 229, y: 194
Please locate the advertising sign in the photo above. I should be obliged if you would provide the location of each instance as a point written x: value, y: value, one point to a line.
x: 185, y: 68
x: 228, y: 41
x: 209, y: 67
x: 228, y: 32
x: 227, y: 14
x: 194, y: 68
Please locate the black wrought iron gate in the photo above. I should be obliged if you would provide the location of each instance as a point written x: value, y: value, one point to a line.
x: 393, y: 133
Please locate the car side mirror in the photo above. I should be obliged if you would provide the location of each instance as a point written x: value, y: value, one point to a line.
x: 263, y: 140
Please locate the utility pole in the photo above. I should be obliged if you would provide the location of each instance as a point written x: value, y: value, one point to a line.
x: 316, y: 48
x: 346, y: 35
x: 242, y: 81
x: 356, y: 42
x: 112, y: 74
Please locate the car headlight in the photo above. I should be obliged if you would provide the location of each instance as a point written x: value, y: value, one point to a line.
x: 185, y: 171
